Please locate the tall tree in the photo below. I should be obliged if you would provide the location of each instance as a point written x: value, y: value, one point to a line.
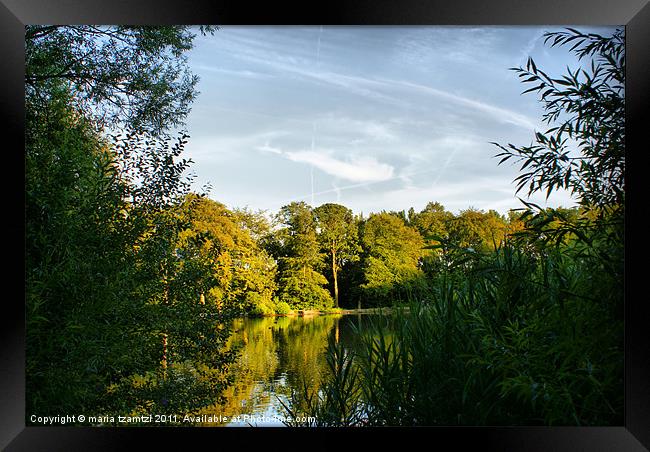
x: 432, y: 220
x: 242, y: 272
x: 475, y: 229
x: 392, y: 253
x: 103, y: 280
x: 337, y: 235
x: 300, y: 260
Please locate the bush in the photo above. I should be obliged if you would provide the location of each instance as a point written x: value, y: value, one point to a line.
x: 282, y: 308
x: 262, y: 309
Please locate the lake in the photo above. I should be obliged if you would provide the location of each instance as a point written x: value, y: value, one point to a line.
x: 276, y: 355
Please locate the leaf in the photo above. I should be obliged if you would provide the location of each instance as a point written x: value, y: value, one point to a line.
x: 534, y: 88
x: 504, y: 158
x: 562, y: 82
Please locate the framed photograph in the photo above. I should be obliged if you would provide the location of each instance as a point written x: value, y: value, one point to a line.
x: 370, y: 221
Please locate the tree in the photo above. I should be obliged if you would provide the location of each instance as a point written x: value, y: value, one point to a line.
x: 76, y: 243
x: 243, y: 273
x: 477, y: 230
x: 135, y: 76
x: 579, y: 255
x: 432, y: 220
x: 392, y: 253
x: 105, y: 286
x: 300, y: 281
x: 584, y: 150
x: 337, y: 235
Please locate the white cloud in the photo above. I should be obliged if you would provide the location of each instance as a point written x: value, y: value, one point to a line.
x: 355, y: 169
x: 391, y: 125
x: 267, y: 148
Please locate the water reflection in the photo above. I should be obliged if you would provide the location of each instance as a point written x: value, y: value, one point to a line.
x: 276, y: 355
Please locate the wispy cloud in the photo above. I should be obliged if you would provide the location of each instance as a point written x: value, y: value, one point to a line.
x: 426, y: 46
x: 357, y: 131
x: 221, y: 148
x: 355, y: 169
x: 233, y: 72
x: 361, y: 114
x: 382, y: 90
x: 267, y: 148
x: 497, y: 113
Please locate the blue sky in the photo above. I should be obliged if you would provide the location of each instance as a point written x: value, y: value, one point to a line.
x: 374, y: 118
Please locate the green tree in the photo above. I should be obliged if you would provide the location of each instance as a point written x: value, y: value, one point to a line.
x: 392, y: 253
x: 75, y: 238
x: 477, y: 230
x: 580, y: 253
x: 337, y: 235
x: 432, y: 220
x: 135, y: 76
x: 584, y: 149
x: 105, y: 287
x: 300, y: 281
x: 244, y: 273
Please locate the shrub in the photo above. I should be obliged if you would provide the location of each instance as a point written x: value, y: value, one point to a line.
x: 282, y: 308
x: 262, y: 309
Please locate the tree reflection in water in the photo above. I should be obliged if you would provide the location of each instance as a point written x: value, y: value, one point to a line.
x: 276, y: 355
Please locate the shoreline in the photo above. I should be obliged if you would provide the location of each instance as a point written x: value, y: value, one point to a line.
x: 316, y: 312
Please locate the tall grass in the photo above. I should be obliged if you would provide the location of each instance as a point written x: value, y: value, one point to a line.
x: 519, y: 339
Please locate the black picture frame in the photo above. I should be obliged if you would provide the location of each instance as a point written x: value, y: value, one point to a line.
x: 634, y: 14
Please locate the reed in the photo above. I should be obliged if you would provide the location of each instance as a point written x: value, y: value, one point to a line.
x: 518, y: 339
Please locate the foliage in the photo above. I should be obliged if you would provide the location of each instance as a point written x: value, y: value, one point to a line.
x: 282, y: 308
x: 108, y: 299
x: 337, y: 235
x: 300, y: 282
x: 518, y: 341
x: 135, y: 76
x: 76, y: 248
x: 391, y: 259
x: 432, y: 220
x: 243, y: 273
x: 584, y: 151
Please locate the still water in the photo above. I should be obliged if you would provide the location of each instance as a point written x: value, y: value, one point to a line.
x: 276, y: 355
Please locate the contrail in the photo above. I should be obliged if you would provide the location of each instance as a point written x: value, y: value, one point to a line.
x: 311, y: 167
x: 444, y: 167
x: 313, y: 125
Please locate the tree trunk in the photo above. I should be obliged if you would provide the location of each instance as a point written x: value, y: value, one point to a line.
x: 336, y: 283
x: 164, y: 355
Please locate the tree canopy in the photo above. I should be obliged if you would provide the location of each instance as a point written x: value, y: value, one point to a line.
x: 337, y: 235
x: 135, y: 76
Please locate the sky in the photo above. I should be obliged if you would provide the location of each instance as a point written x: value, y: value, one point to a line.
x: 374, y: 118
